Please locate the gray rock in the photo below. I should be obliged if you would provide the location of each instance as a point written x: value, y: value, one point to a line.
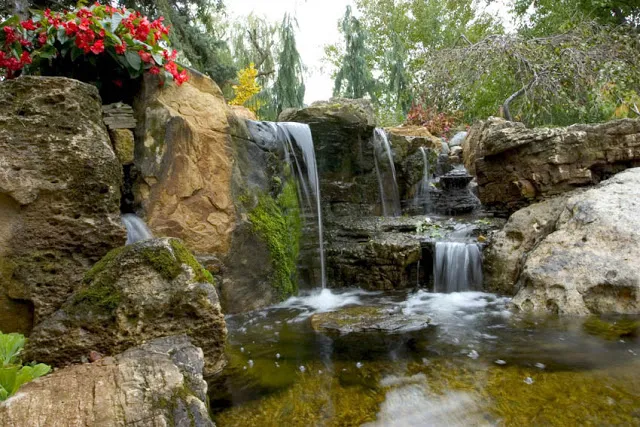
x: 368, y: 319
x: 587, y: 263
x: 59, y: 190
x: 444, y: 148
x: 159, y: 383
x: 150, y: 289
x: 458, y: 139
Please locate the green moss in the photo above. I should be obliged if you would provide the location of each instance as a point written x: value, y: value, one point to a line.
x: 184, y: 256
x: 99, y: 266
x: 168, y: 406
x: 611, y: 330
x: 277, y: 221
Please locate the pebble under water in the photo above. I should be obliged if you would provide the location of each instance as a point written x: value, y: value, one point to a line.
x: 434, y: 359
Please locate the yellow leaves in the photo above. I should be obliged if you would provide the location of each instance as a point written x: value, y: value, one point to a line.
x: 247, y: 88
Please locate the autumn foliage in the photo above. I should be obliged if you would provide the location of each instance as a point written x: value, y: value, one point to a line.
x: 436, y: 122
x: 247, y: 88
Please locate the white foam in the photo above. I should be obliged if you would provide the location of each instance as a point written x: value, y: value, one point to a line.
x: 324, y: 300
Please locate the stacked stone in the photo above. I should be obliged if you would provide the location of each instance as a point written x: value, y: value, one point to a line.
x: 120, y: 121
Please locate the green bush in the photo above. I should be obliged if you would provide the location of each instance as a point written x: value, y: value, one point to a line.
x: 12, y: 373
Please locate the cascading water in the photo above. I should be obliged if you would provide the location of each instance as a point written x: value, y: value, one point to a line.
x: 386, y: 172
x: 457, y: 267
x: 300, y: 134
x: 421, y: 198
x: 136, y: 229
x: 299, y: 152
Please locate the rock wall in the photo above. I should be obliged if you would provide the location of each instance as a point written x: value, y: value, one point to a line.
x: 516, y: 166
x: 59, y: 193
x: 183, y: 155
x: 157, y: 384
x: 576, y: 254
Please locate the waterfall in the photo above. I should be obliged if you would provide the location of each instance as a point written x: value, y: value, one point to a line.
x: 299, y: 152
x: 386, y: 172
x: 300, y: 134
x: 457, y: 267
x: 421, y: 197
x: 136, y: 229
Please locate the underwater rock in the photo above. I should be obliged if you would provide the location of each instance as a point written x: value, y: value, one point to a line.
x: 150, y: 289
x: 59, y: 190
x: 516, y: 166
x: 587, y: 263
x: 184, y: 159
x: 156, y: 384
x: 367, y: 319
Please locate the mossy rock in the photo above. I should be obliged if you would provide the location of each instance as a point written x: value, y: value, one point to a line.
x: 612, y: 330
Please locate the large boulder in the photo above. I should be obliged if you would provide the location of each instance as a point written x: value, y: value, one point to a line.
x: 150, y: 289
x: 157, y: 384
x: 342, y: 130
x: 184, y: 161
x: 516, y: 166
x: 59, y: 192
x: 577, y: 254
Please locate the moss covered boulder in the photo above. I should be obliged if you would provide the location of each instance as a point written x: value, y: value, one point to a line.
x: 151, y: 289
x: 59, y: 192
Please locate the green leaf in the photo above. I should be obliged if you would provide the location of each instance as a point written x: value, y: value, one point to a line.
x: 3, y: 394
x: 10, y: 347
x: 76, y: 52
x: 11, y: 22
x: 133, y: 59
x: 116, y: 19
x: 158, y: 58
x: 8, y: 378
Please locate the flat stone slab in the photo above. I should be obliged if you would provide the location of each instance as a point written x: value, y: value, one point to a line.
x: 365, y: 319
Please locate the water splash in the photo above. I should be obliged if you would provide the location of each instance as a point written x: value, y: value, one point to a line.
x: 136, y: 229
x: 386, y: 172
x: 457, y: 267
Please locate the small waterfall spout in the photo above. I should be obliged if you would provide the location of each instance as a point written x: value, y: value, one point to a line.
x: 136, y: 229
x: 386, y: 171
x: 457, y: 267
x: 422, y: 196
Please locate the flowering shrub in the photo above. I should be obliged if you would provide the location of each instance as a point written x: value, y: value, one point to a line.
x: 60, y: 43
x: 437, y: 123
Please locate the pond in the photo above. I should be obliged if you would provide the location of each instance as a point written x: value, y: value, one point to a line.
x: 352, y: 357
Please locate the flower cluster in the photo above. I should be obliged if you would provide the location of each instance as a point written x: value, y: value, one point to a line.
x: 137, y: 43
x: 437, y: 123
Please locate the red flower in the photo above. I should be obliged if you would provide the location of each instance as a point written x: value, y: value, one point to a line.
x: 120, y: 49
x: 154, y: 70
x: 70, y: 28
x: 98, y: 47
x: 42, y: 38
x: 28, y: 25
x: 145, y: 56
x: 118, y: 83
x: 181, y: 78
x: 26, y: 43
x: 10, y: 35
x: 25, y: 58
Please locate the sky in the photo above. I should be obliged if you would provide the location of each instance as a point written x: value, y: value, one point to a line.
x: 318, y: 26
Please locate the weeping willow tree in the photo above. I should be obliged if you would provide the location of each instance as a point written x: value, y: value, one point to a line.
x: 354, y: 79
x: 587, y: 74
x: 289, y: 87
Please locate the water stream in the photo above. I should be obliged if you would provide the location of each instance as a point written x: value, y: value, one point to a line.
x: 457, y: 267
x: 386, y: 172
x: 136, y: 229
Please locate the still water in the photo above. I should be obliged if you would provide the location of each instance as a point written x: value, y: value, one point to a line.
x: 415, y: 358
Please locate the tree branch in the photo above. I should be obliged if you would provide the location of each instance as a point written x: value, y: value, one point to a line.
x: 505, y: 106
x: 253, y: 38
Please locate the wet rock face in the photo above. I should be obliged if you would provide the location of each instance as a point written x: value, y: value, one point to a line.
x: 578, y: 254
x: 59, y: 190
x: 150, y: 289
x: 156, y: 384
x: 342, y: 129
x: 454, y: 196
x: 183, y: 154
x: 516, y: 166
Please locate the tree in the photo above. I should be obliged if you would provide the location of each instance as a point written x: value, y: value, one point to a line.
x: 586, y: 74
x: 289, y: 87
x: 354, y: 78
x: 247, y: 88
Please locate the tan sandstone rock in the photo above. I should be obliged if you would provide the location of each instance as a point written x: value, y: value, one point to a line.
x: 59, y: 190
x: 185, y: 163
x: 516, y: 166
x: 157, y: 384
